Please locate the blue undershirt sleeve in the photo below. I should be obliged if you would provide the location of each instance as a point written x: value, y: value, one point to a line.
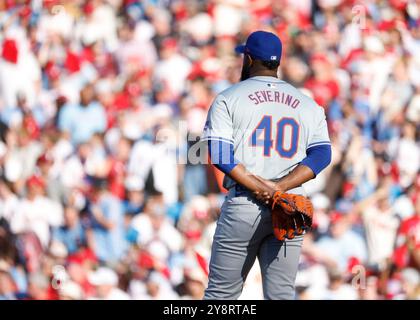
x: 317, y: 158
x: 221, y: 155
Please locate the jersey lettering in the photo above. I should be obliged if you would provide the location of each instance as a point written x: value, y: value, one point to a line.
x: 263, y: 96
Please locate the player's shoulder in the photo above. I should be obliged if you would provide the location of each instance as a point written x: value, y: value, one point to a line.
x: 301, y: 93
x: 232, y: 90
x: 230, y: 96
x: 307, y: 104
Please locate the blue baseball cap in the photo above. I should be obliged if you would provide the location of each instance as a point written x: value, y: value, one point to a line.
x: 262, y: 45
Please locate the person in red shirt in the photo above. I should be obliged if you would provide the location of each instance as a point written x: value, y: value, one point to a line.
x: 79, y: 265
x: 118, y: 166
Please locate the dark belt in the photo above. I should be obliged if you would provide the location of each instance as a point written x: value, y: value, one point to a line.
x: 240, y: 190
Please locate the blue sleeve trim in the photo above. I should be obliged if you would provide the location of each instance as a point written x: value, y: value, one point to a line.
x: 318, y: 143
x: 221, y: 155
x: 218, y: 139
x: 317, y: 158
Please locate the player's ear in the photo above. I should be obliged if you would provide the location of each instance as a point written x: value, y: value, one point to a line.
x: 249, y: 60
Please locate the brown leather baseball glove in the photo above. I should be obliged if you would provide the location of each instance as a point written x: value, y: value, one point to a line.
x: 291, y: 215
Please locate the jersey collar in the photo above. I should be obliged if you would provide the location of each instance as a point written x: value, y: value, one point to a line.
x: 266, y: 79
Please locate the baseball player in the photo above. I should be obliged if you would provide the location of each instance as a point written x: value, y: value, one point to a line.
x: 268, y: 138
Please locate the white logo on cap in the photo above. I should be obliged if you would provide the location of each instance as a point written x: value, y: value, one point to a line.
x: 273, y: 57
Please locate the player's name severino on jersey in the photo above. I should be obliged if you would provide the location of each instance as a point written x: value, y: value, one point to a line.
x: 262, y: 96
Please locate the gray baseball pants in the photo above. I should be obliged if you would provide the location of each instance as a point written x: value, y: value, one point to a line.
x: 244, y: 233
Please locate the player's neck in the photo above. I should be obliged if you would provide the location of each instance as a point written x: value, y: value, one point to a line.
x: 263, y: 73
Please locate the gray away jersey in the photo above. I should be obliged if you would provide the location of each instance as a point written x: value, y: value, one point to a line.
x: 270, y: 123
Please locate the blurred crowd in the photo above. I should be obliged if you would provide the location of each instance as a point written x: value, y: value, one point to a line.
x: 101, y: 101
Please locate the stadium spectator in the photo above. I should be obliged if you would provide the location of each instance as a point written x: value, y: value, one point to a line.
x: 82, y: 120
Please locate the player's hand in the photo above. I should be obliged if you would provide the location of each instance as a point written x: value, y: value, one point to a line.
x: 265, y: 194
x: 264, y: 197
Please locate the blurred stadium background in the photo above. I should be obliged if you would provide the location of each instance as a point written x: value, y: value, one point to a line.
x: 101, y: 100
